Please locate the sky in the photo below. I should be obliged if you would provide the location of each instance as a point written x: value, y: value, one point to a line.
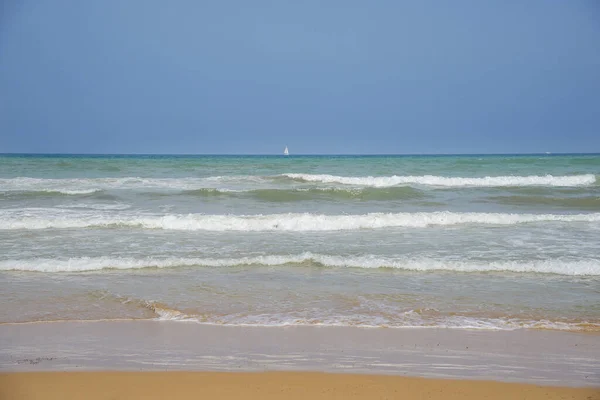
x: 322, y: 77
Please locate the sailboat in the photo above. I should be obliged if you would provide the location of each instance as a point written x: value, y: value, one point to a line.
x: 286, y: 152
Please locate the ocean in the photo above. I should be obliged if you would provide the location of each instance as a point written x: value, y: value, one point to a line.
x: 498, y: 242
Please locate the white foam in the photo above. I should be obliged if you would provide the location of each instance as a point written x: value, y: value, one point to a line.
x: 552, y: 266
x: 169, y: 314
x: 76, y: 186
x: 42, y: 218
x: 96, y: 206
x: 400, y: 319
x: 430, y: 180
x: 73, y: 192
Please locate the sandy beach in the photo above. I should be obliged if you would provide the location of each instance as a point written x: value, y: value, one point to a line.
x: 271, y: 385
x: 175, y: 360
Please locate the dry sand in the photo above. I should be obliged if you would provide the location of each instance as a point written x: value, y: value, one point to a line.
x: 267, y: 385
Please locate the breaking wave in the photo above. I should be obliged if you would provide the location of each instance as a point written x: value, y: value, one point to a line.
x: 313, y: 193
x: 400, y: 317
x: 431, y: 180
x: 75, y: 186
x: 582, y: 267
x: 78, y: 186
x: 405, y: 319
x: 41, y: 218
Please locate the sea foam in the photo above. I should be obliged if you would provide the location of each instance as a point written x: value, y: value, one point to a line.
x: 41, y: 218
x: 405, y: 319
x: 77, y: 186
x: 549, y: 266
x: 431, y: 180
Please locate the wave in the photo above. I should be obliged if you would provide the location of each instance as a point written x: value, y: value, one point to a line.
x: 397, y: 318
x: 14, y: 194
x: 95, y: 206
x: 582, y: 267
x: 430, y: 180
x: 89, y: 185
x: 41, y: 218
x: 267, y: 194
x: 582, y: 202
x: 77, y: 186
x: 72, y: 191
x: 406, y: 319
x: 318, y: 193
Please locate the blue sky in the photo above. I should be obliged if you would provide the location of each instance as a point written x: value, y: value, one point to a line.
x: 319, y: 76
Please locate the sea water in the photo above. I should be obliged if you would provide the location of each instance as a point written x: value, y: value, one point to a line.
x: 477, y: 242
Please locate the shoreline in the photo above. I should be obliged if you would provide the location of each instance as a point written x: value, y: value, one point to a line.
x: 266, y: 385
x: 549, y: 358
x: 192, y: 320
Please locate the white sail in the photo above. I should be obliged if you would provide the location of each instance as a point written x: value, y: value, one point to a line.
x: 286, y: 152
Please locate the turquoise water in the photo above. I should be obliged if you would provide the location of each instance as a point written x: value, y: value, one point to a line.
x: 488, y: 242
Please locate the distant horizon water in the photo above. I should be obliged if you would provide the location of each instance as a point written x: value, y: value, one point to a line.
x: 303, y: 154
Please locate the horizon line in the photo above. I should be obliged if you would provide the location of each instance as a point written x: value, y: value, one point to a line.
x: 292, y: 155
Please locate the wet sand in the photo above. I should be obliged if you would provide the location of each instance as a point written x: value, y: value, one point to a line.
x: 549, y: 358
x: 175, y: 360
x: 267, y: 385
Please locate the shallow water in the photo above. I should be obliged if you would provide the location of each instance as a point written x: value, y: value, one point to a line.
x: 487, y: 242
